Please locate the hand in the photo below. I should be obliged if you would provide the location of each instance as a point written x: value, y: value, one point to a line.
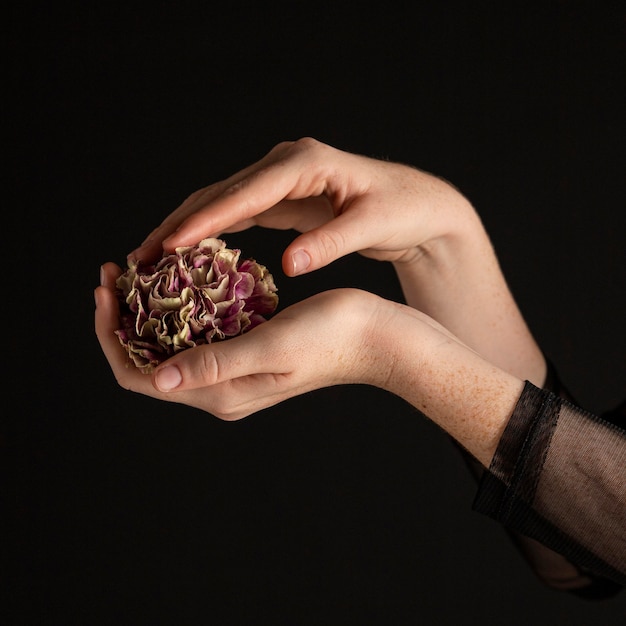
x: 341, y: 203
x: 310, y: 345
x: 336, y: 337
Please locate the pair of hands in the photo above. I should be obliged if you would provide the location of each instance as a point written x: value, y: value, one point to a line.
x: 340, y: 203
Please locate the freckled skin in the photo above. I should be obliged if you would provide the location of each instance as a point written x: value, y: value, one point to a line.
x: 451, y: 384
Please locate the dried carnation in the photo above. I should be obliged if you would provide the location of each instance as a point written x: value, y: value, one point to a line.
x: 197, y: 295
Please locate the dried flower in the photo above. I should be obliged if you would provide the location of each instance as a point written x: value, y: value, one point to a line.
x: 197, y: 295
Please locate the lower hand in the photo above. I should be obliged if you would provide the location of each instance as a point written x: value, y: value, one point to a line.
x: 335, y: 337
x: 315, y: 343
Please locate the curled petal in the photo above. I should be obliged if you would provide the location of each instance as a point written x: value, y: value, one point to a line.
x: 197, y: 295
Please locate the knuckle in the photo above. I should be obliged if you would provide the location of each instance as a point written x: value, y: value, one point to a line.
x: 307, y: 143
x: 210, y: 366
x: 330, y: 243
x: 236, y: 187
x: 305, y: 147
x: 281, y: 147
x: 317, y: 157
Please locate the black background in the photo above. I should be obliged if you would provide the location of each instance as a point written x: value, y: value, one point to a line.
x: 344, y: 506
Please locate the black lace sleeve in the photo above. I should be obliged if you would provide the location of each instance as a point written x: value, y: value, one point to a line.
x: 558, y: 477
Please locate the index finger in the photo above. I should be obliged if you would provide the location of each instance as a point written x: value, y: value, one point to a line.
x: 292, y: 171
x: 152, y: 247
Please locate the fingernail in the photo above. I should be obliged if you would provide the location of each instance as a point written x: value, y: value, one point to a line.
x: 95, y: 297
x: 102, y: 278
x: 168, y: 378
x: 301, y: 261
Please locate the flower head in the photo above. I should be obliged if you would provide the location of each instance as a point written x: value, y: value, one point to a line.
x: 197, y: 295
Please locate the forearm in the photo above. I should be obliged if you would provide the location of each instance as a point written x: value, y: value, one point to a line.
x: 457, y: 280
x: 468, y: 397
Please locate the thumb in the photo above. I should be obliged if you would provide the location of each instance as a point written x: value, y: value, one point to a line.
x: 321, y: 246
x: 215, y: 363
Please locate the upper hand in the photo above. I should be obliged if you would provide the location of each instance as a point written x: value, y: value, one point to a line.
x: 340, y: 202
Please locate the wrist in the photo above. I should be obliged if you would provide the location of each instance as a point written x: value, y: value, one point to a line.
x: 457, y: 280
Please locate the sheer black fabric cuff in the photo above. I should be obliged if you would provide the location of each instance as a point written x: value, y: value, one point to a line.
x: 507, y: 490
x: 520, y: 455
